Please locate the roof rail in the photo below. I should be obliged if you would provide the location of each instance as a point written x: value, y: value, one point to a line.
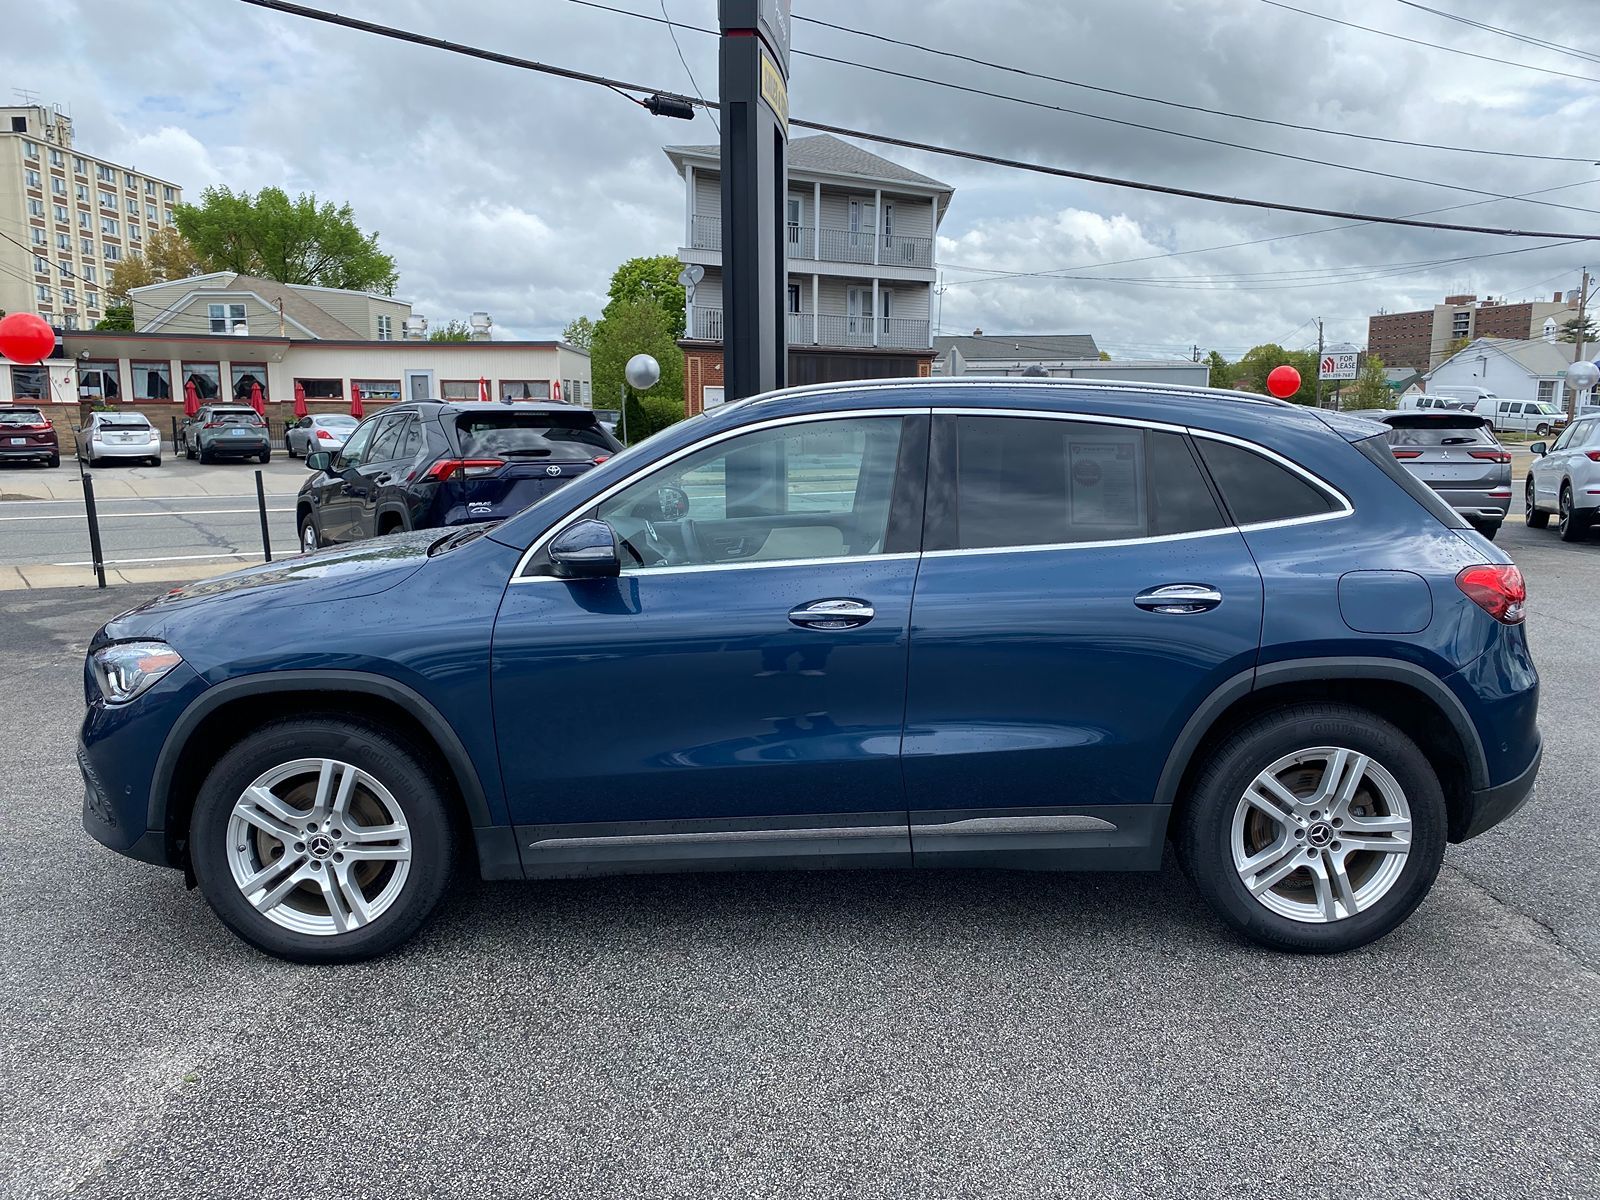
x: 1108, y: 385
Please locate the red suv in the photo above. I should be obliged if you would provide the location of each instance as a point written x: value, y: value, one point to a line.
x: 26, y: 434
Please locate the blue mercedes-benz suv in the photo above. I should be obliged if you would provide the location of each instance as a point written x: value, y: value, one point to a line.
x: 1043, y: 625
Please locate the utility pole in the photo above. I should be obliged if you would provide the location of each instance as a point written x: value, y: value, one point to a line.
x: 1319, y: 362
x: 281, y: 326
x: 1195, y: 353
x: 1577, y: 345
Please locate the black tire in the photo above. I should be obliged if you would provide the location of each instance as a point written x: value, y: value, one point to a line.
x: 55, y: 460
x: 1542, y: 430
x: 188, y: 450
x: 1489, y: 529
x: 265, y: 456
x: 288, y: 448
x: 1536, y: 518
x: 205, y: 455
x: 1572, y: 525
x: 308, y: 524
x: 373, y: 749
x: 1203, y: 829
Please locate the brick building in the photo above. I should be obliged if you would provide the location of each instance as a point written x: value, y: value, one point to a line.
x: 1421, y: 340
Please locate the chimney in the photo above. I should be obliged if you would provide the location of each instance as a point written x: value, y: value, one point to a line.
x: 977, y: 333
x: 1556, y: 299
x: 481, y: 325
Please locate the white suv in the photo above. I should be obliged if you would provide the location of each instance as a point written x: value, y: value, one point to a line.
x: 1565, y: 479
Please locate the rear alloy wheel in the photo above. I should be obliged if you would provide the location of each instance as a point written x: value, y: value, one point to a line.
x: 321, y: 840
x: 1536, y: 519
x: 1572, y: 525
x: 309, y: 539
x: 1542, y: 430
x: 1317, y: 828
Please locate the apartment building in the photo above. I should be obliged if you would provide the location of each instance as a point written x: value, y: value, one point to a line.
x: 67, y: 218
x: 861, y: 234
x: 227, y: 302
x: 1421, y: 340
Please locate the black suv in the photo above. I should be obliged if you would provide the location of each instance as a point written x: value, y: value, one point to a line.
x: 431, y: 464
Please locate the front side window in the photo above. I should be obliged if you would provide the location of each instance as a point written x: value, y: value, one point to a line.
x: 355, y: 446
x: 387, y: 440
x: 1257, y: 489
x: 816, y: 489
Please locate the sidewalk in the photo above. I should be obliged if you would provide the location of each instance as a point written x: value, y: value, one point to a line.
x: 173, y: 479
x: 30, y: 576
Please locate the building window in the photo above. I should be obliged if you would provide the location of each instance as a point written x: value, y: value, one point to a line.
x: 224, y: 317
x: 30, y: 383
x: 794, y: 297
x: 149, y: 212
x: 385, y: 329
x: 1547, y: 390
x: 57, y: 159
x: 87, y: 246
x: 520, y: 389
x: 110, y: 227
x: 39, y: 238
x: 133, y: 206
x: 58, y: 185
x: 85, y: 221
x: 36, y: 208
x: 171, y: 220
x: 61, y: 214
x: 134, y: 235
x: 66, y: 268
x: 91, y: 299
x: 105, y: 173
x: 151, y: 380
x: 245, y: 377
x: 167, y: 194
x: 458, y: 389
x: 34, y: 181
x: 31, y: 149
x: 41, y: 266
x: 41, y: 293
x: 113, y: 253
x: 128, y: 180
x: 378, y: 389
x: 70, y: 320
x: 89, y: 273
x: 107, y: 200
x: 206, y: 377
x: 98, y: 381
x: 1460, y: 324
x: 149, y: 187
x: 69, y: 297
x: 79, y: 167
x: 321, y: 389
x: 63, y: 241
x: 81, y: 190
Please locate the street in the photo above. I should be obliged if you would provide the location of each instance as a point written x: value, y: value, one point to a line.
x: 908, y: 1034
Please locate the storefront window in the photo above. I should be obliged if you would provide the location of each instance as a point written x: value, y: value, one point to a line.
x: 378, y: 389
x: 322, y: 389
x: 246, y: 376
x: 524, y: 389
x: 206, y: 377
x: 98, y: 381
x: 458, y: 389
x: 151, y: 380
x: 30, y: 383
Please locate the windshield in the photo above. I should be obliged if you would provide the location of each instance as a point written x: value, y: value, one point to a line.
x: 21, y: 416
x: 567, y: 436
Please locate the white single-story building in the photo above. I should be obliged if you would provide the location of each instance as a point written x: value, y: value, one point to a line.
x: 1514, y: 369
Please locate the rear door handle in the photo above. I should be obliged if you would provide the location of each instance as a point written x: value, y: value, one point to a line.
x: 1179, y: 598
x: 841, y: 613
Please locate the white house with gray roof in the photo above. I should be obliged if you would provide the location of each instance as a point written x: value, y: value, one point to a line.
x: 861, y: 248
x: 228, y: 302
x: 1511, y: 368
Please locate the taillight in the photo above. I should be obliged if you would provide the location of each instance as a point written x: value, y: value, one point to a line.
x: 1407, y: 453
x: 323, y: 433
x: 1592, y: 455
x: 1497, y: 588
x: 600, y: 458
x: 1499, y: 456
x: 212, y: 425
x: 449, y: 468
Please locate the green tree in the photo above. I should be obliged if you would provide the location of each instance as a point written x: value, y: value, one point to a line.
x: 1221, y: 371
x: 632, y: 327
x: 454, y: 331
x: 1571, y: 329
x: 1251, y: 371
x: 1371, y: 388
x: 167, y: 255
x: 118, y: 319
x: 1456, y: 346
x: 654, y: 279
x: 292, y: 241
x: 132, y: 272
x: 579, y: 332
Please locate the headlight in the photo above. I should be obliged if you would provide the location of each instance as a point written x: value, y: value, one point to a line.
x: 129, y: 669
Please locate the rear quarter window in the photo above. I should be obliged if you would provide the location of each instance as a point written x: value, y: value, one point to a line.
x: 1258, y: 490
x: 1377, y: 449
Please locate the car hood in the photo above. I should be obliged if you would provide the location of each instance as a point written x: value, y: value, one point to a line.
x: 266, y: 591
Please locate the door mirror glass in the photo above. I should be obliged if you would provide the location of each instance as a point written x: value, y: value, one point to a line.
x: 1538, y: 449
x: 586, y: 550
x: 318, y: 460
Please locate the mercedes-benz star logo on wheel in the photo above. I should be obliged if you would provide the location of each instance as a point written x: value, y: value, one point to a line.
x: 552, y: 470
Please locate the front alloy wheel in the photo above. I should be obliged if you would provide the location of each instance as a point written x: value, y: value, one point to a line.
x: 1321, y: 834
x: 308, y: 536
x: 1535, y: 518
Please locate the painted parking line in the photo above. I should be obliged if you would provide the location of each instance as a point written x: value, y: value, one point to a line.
x: 158, y: 512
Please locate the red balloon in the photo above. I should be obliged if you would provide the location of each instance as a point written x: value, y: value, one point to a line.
x: 26, y: 338
x: 1283, y: 381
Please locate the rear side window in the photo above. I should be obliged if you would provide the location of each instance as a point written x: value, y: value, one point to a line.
x: 564, y: 437
x: 1377, y: 449
x: 1180, y: 499
x: 1258, y: 490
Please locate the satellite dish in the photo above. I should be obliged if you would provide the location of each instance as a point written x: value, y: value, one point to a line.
x: 691, y: 275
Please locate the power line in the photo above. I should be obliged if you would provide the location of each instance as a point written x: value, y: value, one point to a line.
x: 619, y: 85
x: 1400, y: 37
x: 968, y: 89
x: 671, y: 29
x: 1199, y: 108
x: 1541, y: 43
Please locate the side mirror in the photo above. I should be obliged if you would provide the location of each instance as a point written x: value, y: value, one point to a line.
x: 318, y: 460
x: 586, y: 550
x: 1538, y: 449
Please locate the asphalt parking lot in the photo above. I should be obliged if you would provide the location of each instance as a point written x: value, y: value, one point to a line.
x: 874, y: 1034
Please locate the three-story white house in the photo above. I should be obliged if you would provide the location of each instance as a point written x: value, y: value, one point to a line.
x: 861, y: 234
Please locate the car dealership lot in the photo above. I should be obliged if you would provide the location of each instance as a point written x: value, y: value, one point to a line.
x: 970, y: 1033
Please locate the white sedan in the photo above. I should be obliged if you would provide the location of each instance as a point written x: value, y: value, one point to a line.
x: 119, y: 435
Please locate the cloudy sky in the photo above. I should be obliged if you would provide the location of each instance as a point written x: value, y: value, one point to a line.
x: 518, y: 193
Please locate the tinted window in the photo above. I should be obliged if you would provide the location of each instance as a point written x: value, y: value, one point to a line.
x: 1256, y: 488
x: 566, y: 437
x: 1441, y: 435
x: 354, y: 448
x: 1024, y: 481
x: 817, y: 489
x: 1588, y: 435
x: 1180, y: 499
x: 1377, y: 449
x: 387, y: 439
x: 410, y: 441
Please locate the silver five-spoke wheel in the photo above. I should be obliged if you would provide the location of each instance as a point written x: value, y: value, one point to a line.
x: 1321, y: 834
x: 319, y: 846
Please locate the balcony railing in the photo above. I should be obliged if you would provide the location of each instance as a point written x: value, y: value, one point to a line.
x: 807, y: 242
x: 827, y: 329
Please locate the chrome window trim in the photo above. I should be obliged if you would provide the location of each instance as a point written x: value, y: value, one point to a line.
x: 747, y: 565
x: 557, y: 525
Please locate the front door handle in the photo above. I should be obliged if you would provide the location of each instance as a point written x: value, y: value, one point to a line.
x: 842, y: 613
x: 1179, y: 598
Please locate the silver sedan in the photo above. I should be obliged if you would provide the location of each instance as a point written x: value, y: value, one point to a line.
x: 325, y: 431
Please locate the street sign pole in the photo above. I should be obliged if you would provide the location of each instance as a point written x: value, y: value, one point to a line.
x: 754, y: 103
